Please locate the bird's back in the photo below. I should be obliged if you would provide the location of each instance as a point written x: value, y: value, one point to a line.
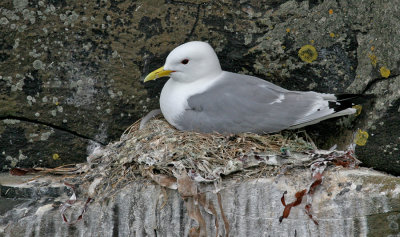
x: 240, y: 103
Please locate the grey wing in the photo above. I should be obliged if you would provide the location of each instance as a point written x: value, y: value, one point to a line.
x: 241, y: 103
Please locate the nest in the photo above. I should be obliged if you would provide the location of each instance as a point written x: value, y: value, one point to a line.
x: 161, y: 151
x: 185, y: 160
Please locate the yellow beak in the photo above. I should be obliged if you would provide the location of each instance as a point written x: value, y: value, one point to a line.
x: 157, y: 74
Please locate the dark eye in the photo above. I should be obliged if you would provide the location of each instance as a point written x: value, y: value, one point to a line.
x: 185, y: 61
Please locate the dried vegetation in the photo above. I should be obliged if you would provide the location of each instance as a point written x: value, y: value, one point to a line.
x: 186, y: 161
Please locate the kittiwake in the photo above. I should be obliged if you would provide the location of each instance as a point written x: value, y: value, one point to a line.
x: 200, y: 96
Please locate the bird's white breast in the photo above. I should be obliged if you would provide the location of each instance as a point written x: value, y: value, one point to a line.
x: 174, y: 96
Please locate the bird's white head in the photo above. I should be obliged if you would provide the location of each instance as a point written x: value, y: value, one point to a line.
x: 189, y: 62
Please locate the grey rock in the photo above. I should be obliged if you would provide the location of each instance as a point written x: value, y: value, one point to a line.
x: 252, y: 208
x: 32, y: 144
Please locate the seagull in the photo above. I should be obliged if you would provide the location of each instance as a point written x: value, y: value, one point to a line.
x: 201, y: 97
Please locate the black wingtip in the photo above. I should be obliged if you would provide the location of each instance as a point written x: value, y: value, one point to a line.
x: 345, y: 101
x: 364, y: 97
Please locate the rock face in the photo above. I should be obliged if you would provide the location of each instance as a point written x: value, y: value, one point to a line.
x: 74, y: 69
x: 157, y: 181
x: 349, y: 203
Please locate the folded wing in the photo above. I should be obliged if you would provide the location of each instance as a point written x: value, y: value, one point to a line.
x: 240, y: 103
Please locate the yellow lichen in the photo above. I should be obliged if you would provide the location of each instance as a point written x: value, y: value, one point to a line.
x: 332, y: 34
x: 330, y: 11
x: 56, y: 156
x: 358, y: 109
x: 372, y: 48
x: 373, y: 59
x: 361, y: 137
x: 57, y: 103
x: 308, y: 53
x: 385, y: 72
